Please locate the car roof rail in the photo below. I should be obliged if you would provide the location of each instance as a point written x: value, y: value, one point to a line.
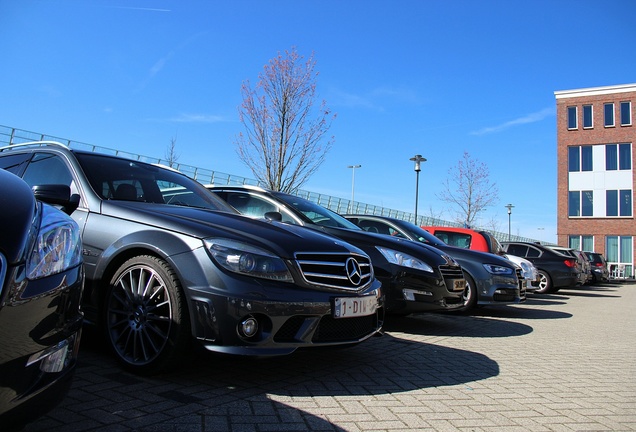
x: 230, y: 186
x: 34, y: 144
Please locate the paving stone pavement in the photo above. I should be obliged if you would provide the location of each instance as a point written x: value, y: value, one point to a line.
x: 561, y: 362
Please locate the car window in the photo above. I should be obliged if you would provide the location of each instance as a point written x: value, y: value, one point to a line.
x: 315, y: 213
x: 533, y: 252
x: 461, y: 240
x: 45, y: 169
x: 121, y: 179
x: 15, y: 163
x: 518, y: 250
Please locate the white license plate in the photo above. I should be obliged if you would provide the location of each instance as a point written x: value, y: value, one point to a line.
x: 348, y: 307
x: 459, y: 284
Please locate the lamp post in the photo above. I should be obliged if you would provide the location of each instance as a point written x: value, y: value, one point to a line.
x: 353, y: 183
x: 509, y: 207
x: 417, y: 159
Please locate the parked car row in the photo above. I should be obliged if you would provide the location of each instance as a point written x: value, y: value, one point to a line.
x: 160, y: 263
x: 557, y: 267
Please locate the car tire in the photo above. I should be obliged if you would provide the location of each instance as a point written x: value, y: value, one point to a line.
x: 545, y: 283
x: 470, y: 294
x: 146, y: 319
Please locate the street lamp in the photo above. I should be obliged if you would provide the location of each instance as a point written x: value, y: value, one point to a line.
x: 353, y: 183
x: 417, y: 159
x: 509, y: 207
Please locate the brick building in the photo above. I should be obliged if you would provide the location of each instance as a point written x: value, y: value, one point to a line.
x: 595, y: 172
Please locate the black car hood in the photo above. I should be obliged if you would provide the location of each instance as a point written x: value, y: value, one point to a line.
x: 464, y: 256
x: 18, y: 209
x: 283, y: 239
x: 363, y: 239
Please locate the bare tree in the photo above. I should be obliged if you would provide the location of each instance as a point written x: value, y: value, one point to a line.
x: 469, y: 189
x: 171, y: 153
x: 283, y: 140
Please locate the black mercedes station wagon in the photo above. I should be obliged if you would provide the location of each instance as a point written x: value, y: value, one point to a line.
x: 168, y: 263
x: 41, y: 281
x: 415, y: 277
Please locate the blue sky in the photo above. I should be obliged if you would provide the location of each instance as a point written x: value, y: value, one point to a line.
x: 435, y: 78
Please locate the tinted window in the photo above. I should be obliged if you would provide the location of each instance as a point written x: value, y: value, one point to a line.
x: 574, y: 161
x: 626, y: 113
x: 625, y: 202
x: 587, y: 116
x: 625, y: 156
x: 609, y: 114
x: 533, y: 252
x: 611, y: 203
x: 574, y: 203
x: 611, y: 157
x: 122, y: 179
x: 587, y: 199
x: 46, y: 168
x: 518, y: 250
x: 15, y: 163
x: 572, y: 118
x: 586, y: 158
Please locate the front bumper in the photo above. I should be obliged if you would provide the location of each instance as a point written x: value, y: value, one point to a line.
x: 410, y: 293
x: 501, y: 290
x: 280, y: 320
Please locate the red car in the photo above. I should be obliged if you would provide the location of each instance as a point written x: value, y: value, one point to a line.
x: 466, y: 238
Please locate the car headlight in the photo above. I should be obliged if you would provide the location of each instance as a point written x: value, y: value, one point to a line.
x: 249, y: 260
x: 526, y: 271
x: 57, y: 245
x: 403, y: 259
x: 498, y: 269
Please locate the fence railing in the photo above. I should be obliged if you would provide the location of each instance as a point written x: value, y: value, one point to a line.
x: 10, y: 136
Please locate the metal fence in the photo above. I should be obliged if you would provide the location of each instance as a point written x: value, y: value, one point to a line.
x: 10, y: 136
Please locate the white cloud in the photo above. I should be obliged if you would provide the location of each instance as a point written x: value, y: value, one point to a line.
x: 198, y: 118
x: 530, y: 118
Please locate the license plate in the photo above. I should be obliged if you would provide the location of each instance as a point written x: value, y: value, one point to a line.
x: 348, y: 307
x: 459, y: 284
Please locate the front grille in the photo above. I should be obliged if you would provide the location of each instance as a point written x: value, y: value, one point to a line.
x: 333, y: 329
x: 329, y: 329
x: 349, y: 272
x: 450, y: 273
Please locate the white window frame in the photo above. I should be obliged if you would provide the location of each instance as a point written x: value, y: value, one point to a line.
x: 605, y: 115
x: 591, y: 116
x: 629, y: 111
x: 576, y: 117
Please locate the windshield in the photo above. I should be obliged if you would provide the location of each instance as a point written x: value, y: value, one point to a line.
x: 424, y: 236
x: 316, y: 214
x: 127, y: 180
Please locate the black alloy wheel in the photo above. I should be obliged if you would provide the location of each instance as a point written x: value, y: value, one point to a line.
x: 146, y: 319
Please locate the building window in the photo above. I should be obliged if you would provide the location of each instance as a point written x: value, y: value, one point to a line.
x: 618, y: 250
x: 572, y: 122
x: 624, y: 156
x: 579, y: 158
x: 609, y: 114
x: 618, y: 202
x: 587, y: 203
x: 625, y: 207
x: 611, y: 203
x: 626, y: 113
x: 586, y: 158
x: 588, y: 117
x: 580, y: 203
x: 574, y: 203
x: 581, y: 242
x: 618, y: 156
x: 574, y: 159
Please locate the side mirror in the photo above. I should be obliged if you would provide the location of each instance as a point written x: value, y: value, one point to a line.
x: 274, y: 216
x: 57, y: 194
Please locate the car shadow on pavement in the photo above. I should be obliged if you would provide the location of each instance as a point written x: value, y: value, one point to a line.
x: 221, y: 392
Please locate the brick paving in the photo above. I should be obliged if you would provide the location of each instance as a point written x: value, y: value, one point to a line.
x: 561, y: 362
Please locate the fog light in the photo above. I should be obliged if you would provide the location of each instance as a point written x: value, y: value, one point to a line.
x: 249, y: 327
